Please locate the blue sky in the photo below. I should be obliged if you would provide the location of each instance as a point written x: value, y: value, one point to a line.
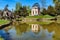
x: 12, y: 3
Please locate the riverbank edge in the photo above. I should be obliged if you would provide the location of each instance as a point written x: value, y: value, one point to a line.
x: 5, y: 25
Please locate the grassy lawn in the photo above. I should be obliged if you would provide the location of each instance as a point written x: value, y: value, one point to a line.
x: 41, y: 16
x: 34, y: 16
x: 3, y: 22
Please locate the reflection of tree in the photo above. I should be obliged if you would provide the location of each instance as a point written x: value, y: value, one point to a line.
x: 55, y: 27
x: 21, y: 28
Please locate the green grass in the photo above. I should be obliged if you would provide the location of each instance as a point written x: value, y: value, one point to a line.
x: 3, y: 22
x: 34, y: 16
x: 41, y: 16
x: 47, y: 16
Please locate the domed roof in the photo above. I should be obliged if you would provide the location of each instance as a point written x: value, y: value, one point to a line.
x: 37, y: 5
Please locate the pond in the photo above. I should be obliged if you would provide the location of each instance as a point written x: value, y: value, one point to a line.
x: 23, y: 31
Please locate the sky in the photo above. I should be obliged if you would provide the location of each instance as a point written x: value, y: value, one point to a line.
x: 12, y: 3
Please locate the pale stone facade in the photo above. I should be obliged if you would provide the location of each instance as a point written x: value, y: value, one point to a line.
x: 7, y: 14
x: 35, y: 10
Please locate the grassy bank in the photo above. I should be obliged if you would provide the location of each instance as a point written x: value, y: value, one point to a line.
x: 3, y: 21
x: 41, y: 16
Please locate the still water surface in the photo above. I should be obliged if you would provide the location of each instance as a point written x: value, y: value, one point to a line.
x: 23, y: 31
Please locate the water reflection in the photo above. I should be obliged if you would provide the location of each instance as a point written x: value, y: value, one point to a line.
x: 35, y: 27
x: 23, y: 31
x: 21, y: 28
x: 5, y: 35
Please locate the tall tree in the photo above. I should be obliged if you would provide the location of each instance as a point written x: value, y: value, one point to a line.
x: 44, y: 11
x: 18, y: 8
x: 28, y: 10
x: 22, y: 10
x: 57, y: 6
x: 51, y: 11
x: 56, y: 1
x: 25, y: 11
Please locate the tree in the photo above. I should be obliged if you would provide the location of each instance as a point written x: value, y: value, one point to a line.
x: 51, y: 11
x: 44, y: 11
x: 56, y: 1
x: 28, y: 10
x: 22, y: 10
x: 18, y: 6
x: 57, y: 6
x: 18, y: 9
x: 25, y: 11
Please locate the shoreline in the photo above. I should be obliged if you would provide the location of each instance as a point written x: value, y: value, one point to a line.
x: 5, y: 25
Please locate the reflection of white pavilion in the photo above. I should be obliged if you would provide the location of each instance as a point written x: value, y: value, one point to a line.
x: 38, y: 28
x: 35, y: 27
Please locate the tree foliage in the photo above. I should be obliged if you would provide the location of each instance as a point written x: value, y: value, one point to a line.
x: 44, y: 11
x: 51, y: 11
x: 22, y: 10
x: 57, y: 8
